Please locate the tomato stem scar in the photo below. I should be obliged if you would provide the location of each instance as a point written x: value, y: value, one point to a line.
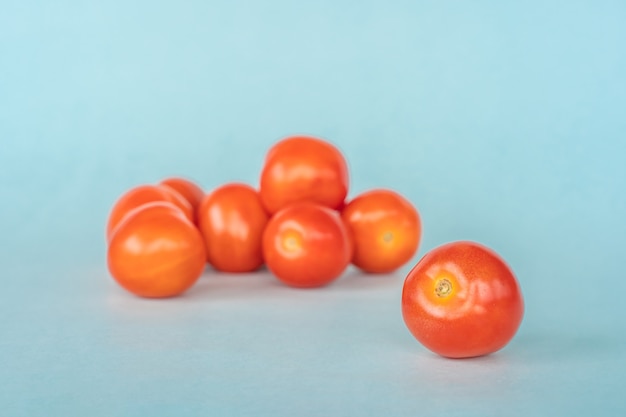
x: 291, y: 243
x: 443, y: 288
x: 388, y: 237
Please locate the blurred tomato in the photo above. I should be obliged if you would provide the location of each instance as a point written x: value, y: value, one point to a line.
x: 303, y: 169
x: 143, y: 194
x: 232, y: 220
x: 306, y: 245
x: 156, y: 251
x: 462, y: 300
x: 186, y: 188
x: 385, y: 228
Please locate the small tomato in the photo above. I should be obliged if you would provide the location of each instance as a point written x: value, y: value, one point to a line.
x: 306, y: 245
x: 462, y: 300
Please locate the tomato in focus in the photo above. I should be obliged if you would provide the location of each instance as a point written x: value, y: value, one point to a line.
x: 140, y: 195
x: 306, y: 245
x: 385, y: 228
x: 303, y: 169
x: 232, y: 220
x: 156, y: 251
x: 462, y: 300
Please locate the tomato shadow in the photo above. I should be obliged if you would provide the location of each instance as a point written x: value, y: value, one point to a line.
x: 356, y: 280
x: 214, y: 285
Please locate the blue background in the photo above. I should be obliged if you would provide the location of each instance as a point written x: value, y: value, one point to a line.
x: 504, y: 123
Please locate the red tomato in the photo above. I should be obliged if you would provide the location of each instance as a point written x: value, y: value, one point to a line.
x: 188, y: 189
x: 143, y: 194
x: 232, y: 220
x: 301, y: 168
x: 306, y: 245
x: 385, y: 228
x: 156, y: 251
x: 462, y: 300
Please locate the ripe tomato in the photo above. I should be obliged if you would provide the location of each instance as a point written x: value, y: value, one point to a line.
x: 156, y: 251
x: 188, y: 189
x: 232, y: 220
x: 306, y: 245
x: 302, y: 168
x: 385, y: 229
x: 143, y: 194
x: 462, y: 300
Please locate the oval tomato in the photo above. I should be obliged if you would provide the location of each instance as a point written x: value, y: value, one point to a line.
x: 232, y: 220
x: 141, y: 195
x: 462, y: 300
x: 186, y: 188
x: 385, y: 228
x: 303, y: 169
x: 156, y: 251
x: 306, y: 245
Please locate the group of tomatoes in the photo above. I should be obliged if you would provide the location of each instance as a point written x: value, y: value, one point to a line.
x: 460, y: 300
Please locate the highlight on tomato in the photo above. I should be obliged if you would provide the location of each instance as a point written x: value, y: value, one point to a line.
x: 140, y: 195
x: 232, y: 220
x: 462, y: 300
x: 385, y: 228
x: 156, y: 251
x: 303, y: 169
x: 306, y: 245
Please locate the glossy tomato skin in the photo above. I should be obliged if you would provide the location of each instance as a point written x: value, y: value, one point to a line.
x: 386, y: 230
x: 142, y: 194
x: 188, y: 189
x: 156, y: 251
x: 462, y: 300
x: 306, y: 245
x: 232, y: 220
x: 303, y: 169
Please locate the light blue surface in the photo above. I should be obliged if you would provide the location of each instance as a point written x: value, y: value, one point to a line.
x: 503, y: 123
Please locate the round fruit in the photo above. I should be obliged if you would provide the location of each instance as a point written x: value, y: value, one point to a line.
x: 462, y: 300
x: 385, y: 228
x: 232, y: 220
x: 303, y: 169
x: 306, y: 245
x: 156, y: 251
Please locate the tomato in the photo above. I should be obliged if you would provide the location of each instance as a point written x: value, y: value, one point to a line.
x: 306, y: 245
x: 232, y: 220
x: 186, y: 188
x: 156, y: 251
x: 462, y: 300
x: 302, y: 168
x: 143, y: 194
x: 385, y: 229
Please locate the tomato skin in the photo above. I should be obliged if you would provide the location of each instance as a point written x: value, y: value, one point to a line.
x: 303, y: 169
x: 189, y: 190
x: 232, y: 220
x: 306, y: 245
x: 462, y: 300
x: 141, y: 195
x: 156, y: 251
x: 386, y: 230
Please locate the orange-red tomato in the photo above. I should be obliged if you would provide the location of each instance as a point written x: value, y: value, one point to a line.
x: 186, y: 188
x: 306, y: 245
x: 156, y: 251
x: 385, y: 229
x: 462, y: 300
x: 303, y: 169
x: 232, y: 220
x: 141, y: 195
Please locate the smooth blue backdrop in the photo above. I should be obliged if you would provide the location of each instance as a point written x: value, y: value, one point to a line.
x: 502, y: 121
